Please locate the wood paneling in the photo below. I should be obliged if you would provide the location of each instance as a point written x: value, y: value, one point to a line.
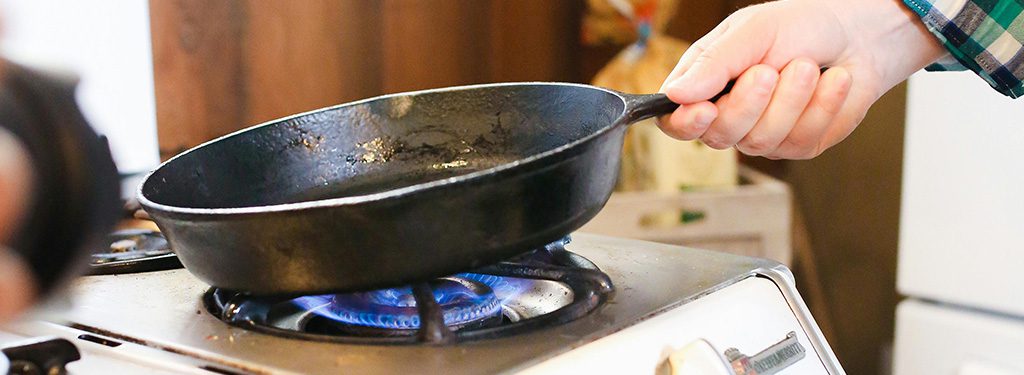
x: 358, y: 46
x: 226, y: 64
x: 197, y: 66
x: 430, y: 44
x: 298, y: 56
x: 436, y: 44
x: 532, y: 40
x: 694, y: 18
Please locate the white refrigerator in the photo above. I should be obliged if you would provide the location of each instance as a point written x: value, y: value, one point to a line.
x: 961, y: 251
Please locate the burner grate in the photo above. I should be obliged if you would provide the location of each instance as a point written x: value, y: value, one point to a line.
x: 588, y: 285
x: 133, y: 251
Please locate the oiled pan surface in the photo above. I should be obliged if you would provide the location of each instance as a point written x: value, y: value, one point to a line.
x: 381, y: 145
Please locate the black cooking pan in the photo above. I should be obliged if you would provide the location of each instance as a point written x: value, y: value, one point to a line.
x: 394, y: 189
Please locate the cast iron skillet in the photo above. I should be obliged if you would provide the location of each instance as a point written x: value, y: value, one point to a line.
x: 394, y: 189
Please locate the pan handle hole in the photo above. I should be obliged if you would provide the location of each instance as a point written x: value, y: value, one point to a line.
x: 217, y: 370
x: 100, y: 340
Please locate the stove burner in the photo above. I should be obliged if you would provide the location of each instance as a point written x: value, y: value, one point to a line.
x: 133, y: 250
x: 540, y: 288
x: 462, y: 299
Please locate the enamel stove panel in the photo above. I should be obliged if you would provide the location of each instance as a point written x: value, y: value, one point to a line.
x: 676, y: 305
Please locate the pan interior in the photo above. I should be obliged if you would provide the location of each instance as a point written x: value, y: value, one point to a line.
x: 382, y: 144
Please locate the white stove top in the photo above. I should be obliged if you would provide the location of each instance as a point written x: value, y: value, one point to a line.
x: 161, y: 321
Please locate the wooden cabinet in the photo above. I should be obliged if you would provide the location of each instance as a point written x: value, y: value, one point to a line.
x: 221, y: 65
x: 751, y: 219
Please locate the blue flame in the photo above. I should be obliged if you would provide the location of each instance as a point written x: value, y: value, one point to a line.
x: 396, y: 308
x: 505, y: 288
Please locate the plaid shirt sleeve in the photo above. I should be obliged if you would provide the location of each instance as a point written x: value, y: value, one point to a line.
x: 985, y: 36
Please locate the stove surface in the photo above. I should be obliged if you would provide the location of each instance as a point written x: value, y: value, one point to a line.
x: 164, y: 310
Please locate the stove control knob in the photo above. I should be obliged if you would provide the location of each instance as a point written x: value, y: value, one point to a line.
x: 40, y: 356
x: 697, y: 358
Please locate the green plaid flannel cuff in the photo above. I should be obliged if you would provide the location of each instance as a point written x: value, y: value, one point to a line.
x: 985, y: 36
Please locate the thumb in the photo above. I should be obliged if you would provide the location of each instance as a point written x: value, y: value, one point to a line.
x: 728, y: 56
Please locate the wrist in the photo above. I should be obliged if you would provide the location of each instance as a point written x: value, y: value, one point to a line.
x: 891, y: 34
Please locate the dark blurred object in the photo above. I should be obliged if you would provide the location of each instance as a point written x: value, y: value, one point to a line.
x: 74, y: 201
x: 47, y: 355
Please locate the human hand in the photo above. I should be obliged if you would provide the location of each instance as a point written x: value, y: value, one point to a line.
x: 781, y: 106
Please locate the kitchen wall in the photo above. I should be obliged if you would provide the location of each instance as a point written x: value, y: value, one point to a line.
x: 850, y: 197
x: 106, y: 44
x: 224, y: 64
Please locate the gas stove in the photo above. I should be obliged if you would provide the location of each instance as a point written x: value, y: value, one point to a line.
x: 593, y: 304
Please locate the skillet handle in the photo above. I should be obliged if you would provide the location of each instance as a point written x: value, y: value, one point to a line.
x: 640, y: 107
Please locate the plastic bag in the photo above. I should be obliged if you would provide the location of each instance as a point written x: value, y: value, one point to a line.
x: 652, y: 161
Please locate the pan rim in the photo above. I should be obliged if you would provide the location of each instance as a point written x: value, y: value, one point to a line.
x: 366, y: 198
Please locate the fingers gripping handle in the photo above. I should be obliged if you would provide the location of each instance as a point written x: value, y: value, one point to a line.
x: 640, y: 107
